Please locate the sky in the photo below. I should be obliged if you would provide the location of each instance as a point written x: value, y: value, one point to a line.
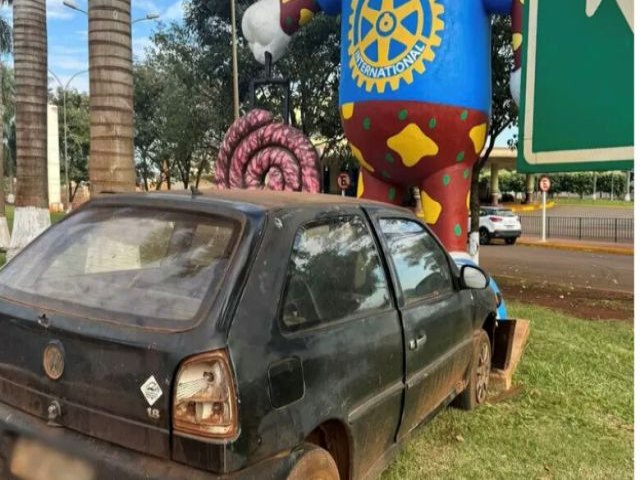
x: 67, y: 32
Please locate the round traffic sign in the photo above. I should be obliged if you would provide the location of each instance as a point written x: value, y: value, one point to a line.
x: 545, y: 184
x: 344, y: 181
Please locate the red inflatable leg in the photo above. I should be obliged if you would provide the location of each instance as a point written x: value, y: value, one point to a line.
x: 372, y: 188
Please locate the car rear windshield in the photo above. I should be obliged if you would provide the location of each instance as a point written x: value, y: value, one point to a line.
x: 151, y: 266
x: 504, y: 213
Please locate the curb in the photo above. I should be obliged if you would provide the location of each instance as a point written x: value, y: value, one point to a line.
x: 529, y: 208
x: 578, y: 247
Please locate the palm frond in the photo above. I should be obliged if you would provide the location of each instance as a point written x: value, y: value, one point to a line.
x: 6, y: 36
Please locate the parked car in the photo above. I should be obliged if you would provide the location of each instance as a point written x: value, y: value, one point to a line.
x: 233, y: 335
x: 463, y: 259
x: 498, y: 222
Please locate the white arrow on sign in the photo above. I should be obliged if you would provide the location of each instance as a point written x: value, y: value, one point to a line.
x: 625, y: 6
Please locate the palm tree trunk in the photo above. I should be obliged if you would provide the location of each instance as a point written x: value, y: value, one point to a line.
x: 30, y: 60
x: 5, y: 237
x: 111, y: 167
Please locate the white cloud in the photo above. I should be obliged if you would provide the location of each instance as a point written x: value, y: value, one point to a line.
x: 146, y: 6
x: 175, y: 13
x: 139, y: 46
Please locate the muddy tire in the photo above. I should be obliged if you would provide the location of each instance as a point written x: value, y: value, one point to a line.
x: 315, y: 464
x: 478, y: 386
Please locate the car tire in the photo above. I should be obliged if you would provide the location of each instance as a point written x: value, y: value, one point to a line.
x: 510, y: 241
x: 485, y: 237
x: 478, y: 385
x: 314, y: 464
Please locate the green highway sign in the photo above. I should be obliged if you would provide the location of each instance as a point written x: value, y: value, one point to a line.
x: 576, y: 109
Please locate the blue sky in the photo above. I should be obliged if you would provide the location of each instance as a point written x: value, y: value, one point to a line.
x: 68, y: 35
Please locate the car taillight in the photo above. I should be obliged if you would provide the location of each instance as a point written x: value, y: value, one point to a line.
x: 205, y: 401
x: 495, y: 219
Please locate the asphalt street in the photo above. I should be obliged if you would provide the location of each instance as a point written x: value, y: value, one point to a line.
x: 579, y: 269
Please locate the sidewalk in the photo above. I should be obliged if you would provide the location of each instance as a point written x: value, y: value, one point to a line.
x: 578, y: 245
x: 531, y: 207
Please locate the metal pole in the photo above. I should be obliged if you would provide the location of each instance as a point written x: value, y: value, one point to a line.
x: 66, y: 154
x: 544, y: 216
x: 627, y: 195
x: 595, y: 184
x: 234, y: 55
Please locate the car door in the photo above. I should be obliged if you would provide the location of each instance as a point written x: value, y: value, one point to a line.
x: 436, y: 315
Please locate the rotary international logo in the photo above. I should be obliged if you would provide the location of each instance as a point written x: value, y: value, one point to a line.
x: 389, y: 40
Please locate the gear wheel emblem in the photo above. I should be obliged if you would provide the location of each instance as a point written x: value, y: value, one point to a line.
x: 389, y: 42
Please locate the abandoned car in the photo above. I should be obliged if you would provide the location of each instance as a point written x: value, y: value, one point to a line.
x: 233, y: 335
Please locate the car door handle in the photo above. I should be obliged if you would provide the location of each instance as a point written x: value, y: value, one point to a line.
x: 416, y: 343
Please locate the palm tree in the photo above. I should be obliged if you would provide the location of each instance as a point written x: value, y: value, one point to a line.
x: 111, y: 167
x: 5, y: 47
x: 30, y: 64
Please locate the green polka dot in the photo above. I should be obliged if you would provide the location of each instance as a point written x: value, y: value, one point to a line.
x: 446, y: 179
x: 457, y: 230
x: 289, y: 20
x: 386, y: 174
x: 403, y: 114
x: 389, y: 158
x: 391, y: 194
x: 432, y: 123
x: 464, y: 115
x: 460, y: 157
x: 465, y: 174
x: 366, y: 123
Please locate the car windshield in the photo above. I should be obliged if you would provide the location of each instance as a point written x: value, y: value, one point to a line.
x: 148, y: 265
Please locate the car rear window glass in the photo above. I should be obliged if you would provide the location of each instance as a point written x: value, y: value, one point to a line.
x: 334, y: 272
x: 150, y: 264
x: 421, y: 265
x: 505, y: 213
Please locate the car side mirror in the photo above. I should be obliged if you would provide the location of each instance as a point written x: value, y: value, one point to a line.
x: 473, y: 278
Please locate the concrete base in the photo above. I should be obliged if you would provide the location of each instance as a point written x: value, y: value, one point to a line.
x: 5, y: 237
x: 501, y: 378
x: 28, y: 223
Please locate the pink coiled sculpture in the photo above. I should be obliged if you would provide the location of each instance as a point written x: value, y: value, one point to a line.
x: 259, y: 153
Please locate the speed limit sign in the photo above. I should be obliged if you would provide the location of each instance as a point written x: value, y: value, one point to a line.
x: 545, y: 184
x: 344, y: 181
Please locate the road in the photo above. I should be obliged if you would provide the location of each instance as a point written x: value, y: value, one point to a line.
x: 579, y: 269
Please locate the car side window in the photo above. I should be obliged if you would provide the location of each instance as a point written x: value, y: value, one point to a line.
x: 335, y: 271
x: 421, y: 264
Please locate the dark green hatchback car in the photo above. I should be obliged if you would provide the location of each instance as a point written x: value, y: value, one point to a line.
x: 232, y: 335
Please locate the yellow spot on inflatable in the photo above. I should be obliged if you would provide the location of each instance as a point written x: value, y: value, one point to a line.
x: 358, y: 154
x: 347, y: 110
x: 305, y: 16
x: 360, y: 191
x: 516, y: 41
x: 478, y: 135
x: 412, y: 144
x: 431, y: 209
x: 468, y: 200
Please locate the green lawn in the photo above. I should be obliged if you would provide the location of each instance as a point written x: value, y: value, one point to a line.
x: 588, y: 202
x: 573, y: 418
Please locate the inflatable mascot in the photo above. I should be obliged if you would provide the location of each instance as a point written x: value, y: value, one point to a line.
x: 415, y: 92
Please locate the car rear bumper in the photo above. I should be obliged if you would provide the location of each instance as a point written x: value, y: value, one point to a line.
x: 109, y: 461
x: 506, y: 233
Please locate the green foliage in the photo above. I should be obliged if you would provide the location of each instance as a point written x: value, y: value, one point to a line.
x: 77, y: 107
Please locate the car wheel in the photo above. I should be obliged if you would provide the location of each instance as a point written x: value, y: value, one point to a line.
x: 510, y: 241
x: 478, y: 386
x: 314, y: 464
x: 485, y: 238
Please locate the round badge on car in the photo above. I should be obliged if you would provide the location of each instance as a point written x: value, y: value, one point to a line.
x: 53, y: 360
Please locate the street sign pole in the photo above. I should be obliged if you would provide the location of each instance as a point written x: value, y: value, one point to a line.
x: 544, y: 216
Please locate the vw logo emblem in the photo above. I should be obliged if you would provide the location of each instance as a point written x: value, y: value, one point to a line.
x: 53, y: 360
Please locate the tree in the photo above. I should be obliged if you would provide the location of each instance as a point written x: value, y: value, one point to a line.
x: 504, y: 112
x: 111, y: 166
x: 78, y: 144
x: 30, y: 60
x: 5, y: 47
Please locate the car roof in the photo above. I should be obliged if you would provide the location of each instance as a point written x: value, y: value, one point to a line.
x: 254, y: 199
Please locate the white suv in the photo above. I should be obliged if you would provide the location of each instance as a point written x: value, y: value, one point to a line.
x: 499, y: 222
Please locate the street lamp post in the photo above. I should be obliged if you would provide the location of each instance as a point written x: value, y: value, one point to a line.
x: 234, y: 59
x: 74, y: 6
x: 66, y: 130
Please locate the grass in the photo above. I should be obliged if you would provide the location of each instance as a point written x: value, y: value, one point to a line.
x: 9, y: 210
x: 590, y: 202
x: 572, y: 420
